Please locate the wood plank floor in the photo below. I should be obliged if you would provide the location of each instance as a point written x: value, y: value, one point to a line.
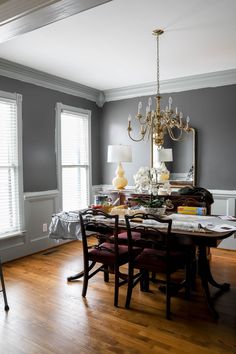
x: 48, y: 315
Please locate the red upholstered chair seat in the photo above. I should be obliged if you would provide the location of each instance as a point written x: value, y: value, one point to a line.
x: 135, y: 236
x: 155, y: 260
x: 105, y: 253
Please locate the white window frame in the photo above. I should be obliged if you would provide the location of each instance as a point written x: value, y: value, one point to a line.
x: 59, y: 108
x: 18, y: 98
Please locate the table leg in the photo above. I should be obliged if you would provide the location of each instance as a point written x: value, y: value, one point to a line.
x: 207, y: 278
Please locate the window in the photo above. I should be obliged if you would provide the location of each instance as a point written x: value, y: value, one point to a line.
x: 73, y: 156
x: 11, y: 186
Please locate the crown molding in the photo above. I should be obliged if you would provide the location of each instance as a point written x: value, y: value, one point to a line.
x: 39, y: 78
x: 193, y: 82
x: 19, y: 17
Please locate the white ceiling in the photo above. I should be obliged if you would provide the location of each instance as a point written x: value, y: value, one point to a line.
x: 112, y: 46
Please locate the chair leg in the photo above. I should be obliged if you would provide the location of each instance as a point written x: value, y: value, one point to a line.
x: 3, y: 288
x: 130, y: 286
x: 144, y: 282
x: 116, y: 294
x: 106, y: 273
x: 85, y: 281
x: 188, y: 276
x: 168, y: 296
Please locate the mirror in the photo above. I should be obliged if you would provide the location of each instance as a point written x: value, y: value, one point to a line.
x: 183, y: 167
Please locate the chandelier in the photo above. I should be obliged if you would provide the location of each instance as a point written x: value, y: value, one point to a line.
x: 156, y: 123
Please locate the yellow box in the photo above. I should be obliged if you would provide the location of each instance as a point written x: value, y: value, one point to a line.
x: 191, y: 210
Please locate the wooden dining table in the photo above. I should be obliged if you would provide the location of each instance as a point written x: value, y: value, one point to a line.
x: 203, y: 239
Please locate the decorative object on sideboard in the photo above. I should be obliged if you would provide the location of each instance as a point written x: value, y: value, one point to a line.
x: 146, y: 180
x: 118, y: 154
x: 165, y: 189
x: 156, y: 123
x: 162, y: 156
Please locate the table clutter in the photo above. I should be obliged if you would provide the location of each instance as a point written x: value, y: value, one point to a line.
x: 66, y: 225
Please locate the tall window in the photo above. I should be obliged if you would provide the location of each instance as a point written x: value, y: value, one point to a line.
x: 73, y: 156
x: 11, y: 190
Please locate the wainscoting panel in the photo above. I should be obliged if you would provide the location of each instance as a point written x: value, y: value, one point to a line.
x: 225, y: 204
x: 38, y: 210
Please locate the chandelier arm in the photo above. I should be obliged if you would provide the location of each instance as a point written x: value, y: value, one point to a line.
x: 137, y: 140
x: 143, y: 122
x: 171, y: 134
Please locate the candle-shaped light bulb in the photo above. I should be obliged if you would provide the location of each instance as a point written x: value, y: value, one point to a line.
x: 187, y: 121
x: 176, y: 110
x: 139, y: 107
x: 129, y: 118
x: 166, y: 108
x: 147, y: 110
x: 150, y: 103
x: 180, y: 119
x: 170, y: 103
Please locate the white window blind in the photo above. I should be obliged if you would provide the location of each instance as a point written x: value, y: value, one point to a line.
x: 74, y: 159
x: 10, y: 167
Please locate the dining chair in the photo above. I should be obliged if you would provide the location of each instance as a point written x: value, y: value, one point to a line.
x: 110, y: 255
x: 3, y: 290
x: 157, y: 256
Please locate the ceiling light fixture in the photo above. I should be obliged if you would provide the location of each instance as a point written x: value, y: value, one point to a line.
x: 156, y: 123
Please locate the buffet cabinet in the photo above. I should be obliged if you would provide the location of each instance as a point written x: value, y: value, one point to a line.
x: 120, y: 197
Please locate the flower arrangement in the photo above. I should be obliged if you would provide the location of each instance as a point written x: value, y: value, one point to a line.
x: 146, y: 180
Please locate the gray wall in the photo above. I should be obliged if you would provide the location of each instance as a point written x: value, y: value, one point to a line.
x: 38, y: 115
x: 212, y: 113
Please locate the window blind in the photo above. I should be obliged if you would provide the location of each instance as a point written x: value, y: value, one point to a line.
x: 74, y: 160
x: 10, y: 203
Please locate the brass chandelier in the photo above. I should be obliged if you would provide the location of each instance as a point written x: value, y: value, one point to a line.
x: 155, y: 124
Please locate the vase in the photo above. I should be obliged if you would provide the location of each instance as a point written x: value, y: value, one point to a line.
x: 155, y: 211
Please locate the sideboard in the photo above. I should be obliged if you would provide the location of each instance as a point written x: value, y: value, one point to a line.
x: 172, y: 201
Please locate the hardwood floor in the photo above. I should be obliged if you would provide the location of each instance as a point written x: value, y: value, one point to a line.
x: 48, y: 315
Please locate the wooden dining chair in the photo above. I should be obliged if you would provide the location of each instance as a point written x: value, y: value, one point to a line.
x: 3, y: 289
x: 156, y: 257
x: 110, y: 255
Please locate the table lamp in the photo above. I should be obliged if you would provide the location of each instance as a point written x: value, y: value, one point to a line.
x: 162, y: 156
x: 118, y: 154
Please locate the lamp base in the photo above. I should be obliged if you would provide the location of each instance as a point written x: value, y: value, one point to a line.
x: 120, y: 182
x: 163, y: 174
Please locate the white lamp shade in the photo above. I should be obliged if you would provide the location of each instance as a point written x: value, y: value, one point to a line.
x: 164, y: 155
x: 119, y: 153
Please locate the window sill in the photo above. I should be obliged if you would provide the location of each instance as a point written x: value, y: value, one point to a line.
x: 17, y: 234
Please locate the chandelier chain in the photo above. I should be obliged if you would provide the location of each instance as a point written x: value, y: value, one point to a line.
x: 158, y: 66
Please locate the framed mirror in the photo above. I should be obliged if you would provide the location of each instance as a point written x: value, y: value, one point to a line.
x: 183, y: 167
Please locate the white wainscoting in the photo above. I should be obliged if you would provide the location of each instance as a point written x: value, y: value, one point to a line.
x: 38, y: 210
x: 225, y: 204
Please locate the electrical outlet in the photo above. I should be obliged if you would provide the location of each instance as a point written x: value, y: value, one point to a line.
x: 45, y: 227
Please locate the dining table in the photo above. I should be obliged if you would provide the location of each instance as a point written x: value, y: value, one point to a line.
x: 197, y: 231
